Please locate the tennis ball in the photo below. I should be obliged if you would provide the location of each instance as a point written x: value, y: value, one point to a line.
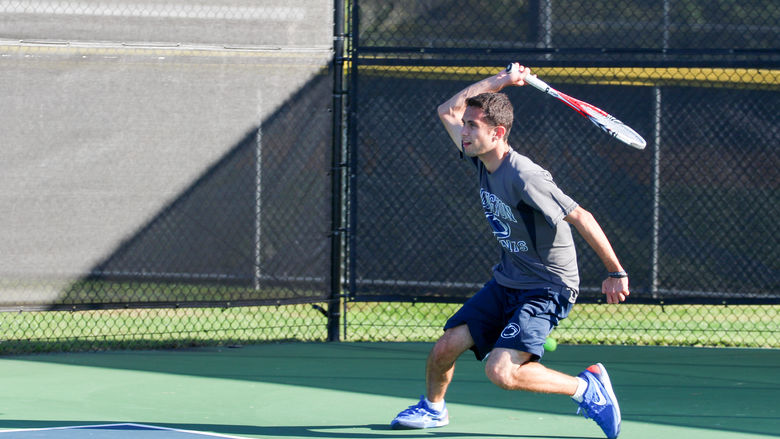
x: 550, y: 344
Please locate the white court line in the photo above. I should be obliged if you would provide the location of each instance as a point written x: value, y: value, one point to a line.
x: 153, y: 10
x: 127, y: 424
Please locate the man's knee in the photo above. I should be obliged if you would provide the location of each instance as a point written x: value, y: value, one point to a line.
x: 505, y: 368
x: 499, y: 373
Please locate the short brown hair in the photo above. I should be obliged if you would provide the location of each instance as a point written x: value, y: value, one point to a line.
x: 497, y: 108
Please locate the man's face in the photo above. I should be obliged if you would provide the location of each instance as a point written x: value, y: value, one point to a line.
x: 478, y: 137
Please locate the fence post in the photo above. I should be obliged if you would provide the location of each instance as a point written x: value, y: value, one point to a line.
x: 337, y: 170
x: 656, y: 191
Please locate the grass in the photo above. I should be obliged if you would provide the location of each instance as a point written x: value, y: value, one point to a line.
x: 676, y: 325
x: 47, y: 331
x: 673, y: 325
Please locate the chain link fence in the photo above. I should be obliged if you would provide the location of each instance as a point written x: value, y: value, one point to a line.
x: 184, y: 173
x: 164, y: 173
x: 687, y: 216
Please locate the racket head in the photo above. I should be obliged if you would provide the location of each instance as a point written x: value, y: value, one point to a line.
x: 610, y: 124
x: 597, y: 116
x: 615, y: 127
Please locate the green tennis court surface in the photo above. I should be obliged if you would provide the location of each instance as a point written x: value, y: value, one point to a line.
x: 353, y: 390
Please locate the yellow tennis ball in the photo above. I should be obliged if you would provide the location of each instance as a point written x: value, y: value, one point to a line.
x: 550, y: 344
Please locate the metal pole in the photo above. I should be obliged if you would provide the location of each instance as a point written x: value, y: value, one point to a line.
x: 545, y: 17
x: 337, y: 169
x: 259, y: 192
x: 667, y: 23
x: 654, y: 287
x: 656, y: 192
x: 352, y: 151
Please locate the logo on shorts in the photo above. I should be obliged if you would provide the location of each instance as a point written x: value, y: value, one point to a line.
x: 510, y: 331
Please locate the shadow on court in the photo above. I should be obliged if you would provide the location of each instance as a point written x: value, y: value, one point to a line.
x: 720, y: 390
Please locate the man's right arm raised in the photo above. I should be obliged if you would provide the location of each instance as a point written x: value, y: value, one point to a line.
x: 451, y: 111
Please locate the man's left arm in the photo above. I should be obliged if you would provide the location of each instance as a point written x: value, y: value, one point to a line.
x: 616, y: 289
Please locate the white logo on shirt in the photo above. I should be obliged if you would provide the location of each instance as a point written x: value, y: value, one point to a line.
x: 498, y: 214
x: 500, y: 217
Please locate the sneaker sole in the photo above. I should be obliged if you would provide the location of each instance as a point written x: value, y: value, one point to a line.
x: 401, y: 425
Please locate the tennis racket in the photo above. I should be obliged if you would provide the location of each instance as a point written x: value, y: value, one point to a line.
x: 599, y: 117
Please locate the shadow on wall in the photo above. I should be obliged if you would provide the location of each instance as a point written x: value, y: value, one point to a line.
x: 257, y: 217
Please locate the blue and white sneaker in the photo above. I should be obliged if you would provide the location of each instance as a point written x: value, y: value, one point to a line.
x: 599, y: 401
x: 421, y: 416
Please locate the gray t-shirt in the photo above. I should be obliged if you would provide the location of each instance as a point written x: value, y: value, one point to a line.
x: 525, y: 210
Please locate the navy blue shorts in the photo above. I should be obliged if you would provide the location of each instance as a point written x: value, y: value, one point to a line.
x: 503, y: 317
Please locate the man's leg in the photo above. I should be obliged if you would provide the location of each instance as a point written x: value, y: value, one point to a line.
x: 511, y: 369
x: 431, y: 411
x: 441, y: 360
x: 592, y: 390
x: 483, y: 313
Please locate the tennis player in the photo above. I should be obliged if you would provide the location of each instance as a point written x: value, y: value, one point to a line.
x: 536, y: 281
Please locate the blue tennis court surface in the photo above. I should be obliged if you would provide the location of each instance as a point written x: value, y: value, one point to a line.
x: 107, y: 431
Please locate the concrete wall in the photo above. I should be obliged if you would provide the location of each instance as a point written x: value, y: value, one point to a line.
x: 110, y: 113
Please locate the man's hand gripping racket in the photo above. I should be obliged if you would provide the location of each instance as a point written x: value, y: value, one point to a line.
x: 599, y: 117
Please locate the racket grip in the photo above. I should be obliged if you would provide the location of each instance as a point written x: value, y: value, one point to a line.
x: 532, y: 81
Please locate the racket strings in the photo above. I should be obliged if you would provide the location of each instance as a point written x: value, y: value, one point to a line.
x: 616, y: 128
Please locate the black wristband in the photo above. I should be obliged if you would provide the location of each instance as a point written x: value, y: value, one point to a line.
x: 618, y: 274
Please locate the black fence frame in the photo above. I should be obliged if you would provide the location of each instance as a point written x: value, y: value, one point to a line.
x: 361, y: 55
x: 338, y: 284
